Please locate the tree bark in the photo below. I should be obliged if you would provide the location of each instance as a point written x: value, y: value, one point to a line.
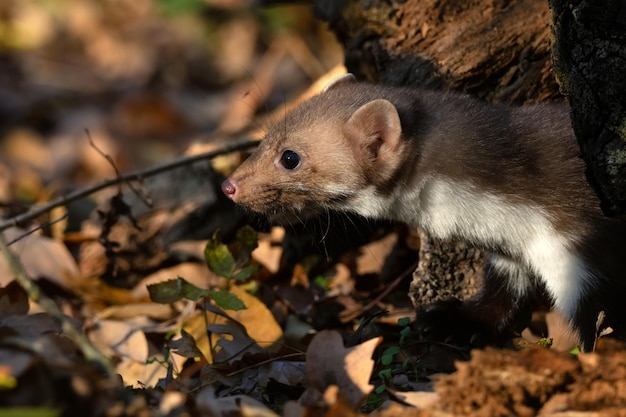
x: 590, y: 63
x: 494, y: 49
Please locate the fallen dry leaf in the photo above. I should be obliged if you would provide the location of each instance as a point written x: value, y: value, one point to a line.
x: 121, y: 339
x: 13, y: 300
x: 15, y: 362
x: 330, y: 363
x: 142, y: 374
x: 41, y: 257
x: 257, y: 319
x: 130, y: 311
x: 210, y: 405
x: 269, y: 251
x: 31, y: 326
x: 419, y: 399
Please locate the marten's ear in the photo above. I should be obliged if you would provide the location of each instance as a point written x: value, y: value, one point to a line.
x: 341, y: 79
x: 375, y: 131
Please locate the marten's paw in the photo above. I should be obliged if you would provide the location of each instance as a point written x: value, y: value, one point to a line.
x: 451, y: 323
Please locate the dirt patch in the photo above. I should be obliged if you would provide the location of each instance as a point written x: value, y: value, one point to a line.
x: 537, y: 382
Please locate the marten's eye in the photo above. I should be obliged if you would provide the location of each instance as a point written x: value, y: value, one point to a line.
x: 290, y: 159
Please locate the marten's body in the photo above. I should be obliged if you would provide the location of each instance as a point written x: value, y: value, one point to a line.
x: 506, y: 179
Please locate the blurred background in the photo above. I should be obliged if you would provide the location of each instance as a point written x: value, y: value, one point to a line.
x: 144, y: 79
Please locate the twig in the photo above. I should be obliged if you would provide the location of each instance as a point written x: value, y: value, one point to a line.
x: 349, y: 316
x: 35, y: 294
x: 30, y: 232
x: 36, y: 211
x: 106, y: 156
x: 111, y: 162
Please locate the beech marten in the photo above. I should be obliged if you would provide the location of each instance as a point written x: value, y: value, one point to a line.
x: 506, y: 179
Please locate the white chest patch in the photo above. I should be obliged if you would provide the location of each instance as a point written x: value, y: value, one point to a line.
x: 447, y: 209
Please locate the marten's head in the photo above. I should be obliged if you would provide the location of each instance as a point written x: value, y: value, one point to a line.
x: 326, y: 153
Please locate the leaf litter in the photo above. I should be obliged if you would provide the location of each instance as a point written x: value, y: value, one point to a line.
x: 290, y: 322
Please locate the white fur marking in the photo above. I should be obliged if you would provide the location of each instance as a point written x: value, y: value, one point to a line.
x: 369, y: 204
x: 564, y: 273
x: 517, y: 276
x: 448, y: 209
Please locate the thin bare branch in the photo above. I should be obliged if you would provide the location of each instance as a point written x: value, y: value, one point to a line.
x: 111, y: 162
x: 30, y: 232
x: 35, y: 211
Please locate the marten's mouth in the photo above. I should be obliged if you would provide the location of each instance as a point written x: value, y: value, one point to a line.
x: 283, y: 214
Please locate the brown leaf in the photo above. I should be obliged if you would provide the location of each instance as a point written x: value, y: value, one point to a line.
x: 185, y: 346
x: 141, y: 374
x: 210, y: 405
x: 31, y: 326
x: 330, y: 363
x: 269, y: 251
x: 418, y: 399
x: 41, y: 257
x: 15, y: 362
x: 130, y: 311
x: 13, y: 300
x: 373, y: 255
x: 121, y: 339
x: 257, y: 319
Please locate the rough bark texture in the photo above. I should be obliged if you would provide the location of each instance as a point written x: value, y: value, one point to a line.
x: 497, y: 50
x: 494, y: 49
x: 590, y: 62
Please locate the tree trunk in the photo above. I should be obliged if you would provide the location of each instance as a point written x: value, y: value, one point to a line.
x: 590, y: 63
x: 494, y: 49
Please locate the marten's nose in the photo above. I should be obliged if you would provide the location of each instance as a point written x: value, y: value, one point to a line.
x: 229, y: 188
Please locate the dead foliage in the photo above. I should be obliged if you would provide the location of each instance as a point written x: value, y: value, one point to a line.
x: 147, y: 294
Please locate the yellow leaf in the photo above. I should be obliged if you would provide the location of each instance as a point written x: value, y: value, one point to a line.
x: 257, y: 319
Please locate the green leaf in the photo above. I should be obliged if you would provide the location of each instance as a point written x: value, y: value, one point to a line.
x: 385, y: 374
x: 218, y: 257
x: 247, y: 239
x: 386, y: 359
x: 405, y: 333
x: 232, y: 264
x: 322, y: 281
x: 246, y: 273
x: 226, y: 300
x: 173, y: 290
x: 404, y: 321
x: 387, y: 356
x: 391, y: 350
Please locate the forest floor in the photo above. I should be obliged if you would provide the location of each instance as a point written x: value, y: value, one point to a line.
x: 155, y: 296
